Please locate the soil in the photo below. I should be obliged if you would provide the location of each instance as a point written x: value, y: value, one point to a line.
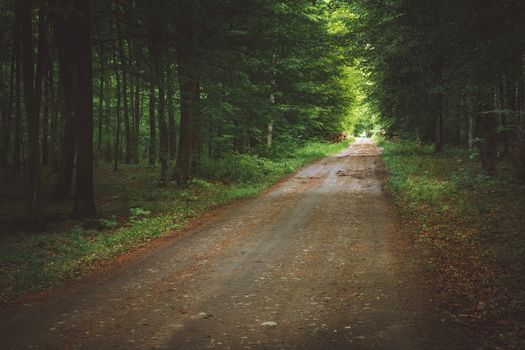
x: 318, y: 262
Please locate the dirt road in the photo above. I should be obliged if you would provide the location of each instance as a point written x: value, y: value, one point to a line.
x: 314, y: 263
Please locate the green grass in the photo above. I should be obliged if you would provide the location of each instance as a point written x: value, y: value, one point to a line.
x: 133, y: 210
x: 473, y: 226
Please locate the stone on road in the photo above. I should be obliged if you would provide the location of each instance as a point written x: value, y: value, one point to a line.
x: 311, y: 264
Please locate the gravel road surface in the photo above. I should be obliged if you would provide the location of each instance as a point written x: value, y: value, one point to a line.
x: 317, y: 262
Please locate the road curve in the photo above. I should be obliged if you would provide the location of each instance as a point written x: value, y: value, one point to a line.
x: 312, y: 264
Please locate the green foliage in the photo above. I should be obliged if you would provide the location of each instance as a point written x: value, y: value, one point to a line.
x: 409, y: 179
x: 109, y: 223
x: 138, y: 213
x: 252, y: 168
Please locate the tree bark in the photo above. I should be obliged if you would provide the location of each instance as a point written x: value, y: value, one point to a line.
x: 54, y: 110
x: 17, y: 137
x: 117, y: 127
x: 136, y: 121
x: 84, y: 197
x: 520, y: 107
x: 101, y: 102
x: 124, y: 68
x: 471, y: 128
x: 65, y: 37
x: 437, y: 110
x: 45, y: 123
x: 108, y: 153
x: 172, y: 131
x: 9, y: 115
x: 163, y: 132
x: 152, y: 156
x: 31, y: 108
x: 486, y: 130
x: 188, y: 88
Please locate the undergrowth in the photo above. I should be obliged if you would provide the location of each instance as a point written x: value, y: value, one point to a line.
x: 472, y: 225
x: 133, y: 210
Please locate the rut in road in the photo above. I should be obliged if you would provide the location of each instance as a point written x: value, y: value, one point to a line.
x: 310, y: 264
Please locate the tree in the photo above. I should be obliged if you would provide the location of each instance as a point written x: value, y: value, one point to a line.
x: 74, y: 37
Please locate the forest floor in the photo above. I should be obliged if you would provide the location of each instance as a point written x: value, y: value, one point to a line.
x: 317, y: 262
x: 470, y: 231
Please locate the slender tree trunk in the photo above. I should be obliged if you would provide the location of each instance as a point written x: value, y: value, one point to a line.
x: 152, y: 132
x: 42, y: 58
x: 45, y: 123
x: 269, y: 131
x: 101, y: 102
x: 188, y: 87
x: 503, y: 120
x: 17, y: 140
x: 54, y: 107
x: 136, y: 122
x: 124, y: 69
x: 9, y: 115
x: 31, y: 108
x: 84, y: 198
x: 172, y: 131
x: 471, y: 128
x: 486, y: 129
x: 196, y: 125
x: 521, y: 150
x: 108, y: 153
x: 163, y: 132
x: 3, y: 104
x: 520, y: 108
x: 42, y: 67
x: 117, y: 131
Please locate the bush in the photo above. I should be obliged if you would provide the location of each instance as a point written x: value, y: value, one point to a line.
x: 236, y: 168
x: 283, y: 158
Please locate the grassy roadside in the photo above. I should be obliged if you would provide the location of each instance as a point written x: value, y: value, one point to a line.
x: 472, y: 226
x: 133, y: 210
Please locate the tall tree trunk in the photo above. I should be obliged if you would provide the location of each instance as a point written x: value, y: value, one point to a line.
x: 8, y: 115
x: 163, y: 132
x: 42, y: 67
x: 520, y: 107
x: 486, y: 129
x: 3, y: 103
x: 54, y: 108
x: 117, y: 131
x: 84, y: 198
x: 503, y: 120
x: 45, y: 123
x: 136, y: 121
x: 31, y: 108
x: 17, y: 137
x: 101, y: 102
x: 108, y: 153
x: 172, y: 131
x: 152, y: 133
x: 67, y: 77
x: 196, y: 125
x: 521, y: 150
x: 471, y: 129
x: 124, y: 69
x: 188, y: 87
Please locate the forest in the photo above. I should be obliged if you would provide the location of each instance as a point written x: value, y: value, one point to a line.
x: 167, y: 83
x: 448, y: 73
x: 126, y: 121
x: 175, y: 83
